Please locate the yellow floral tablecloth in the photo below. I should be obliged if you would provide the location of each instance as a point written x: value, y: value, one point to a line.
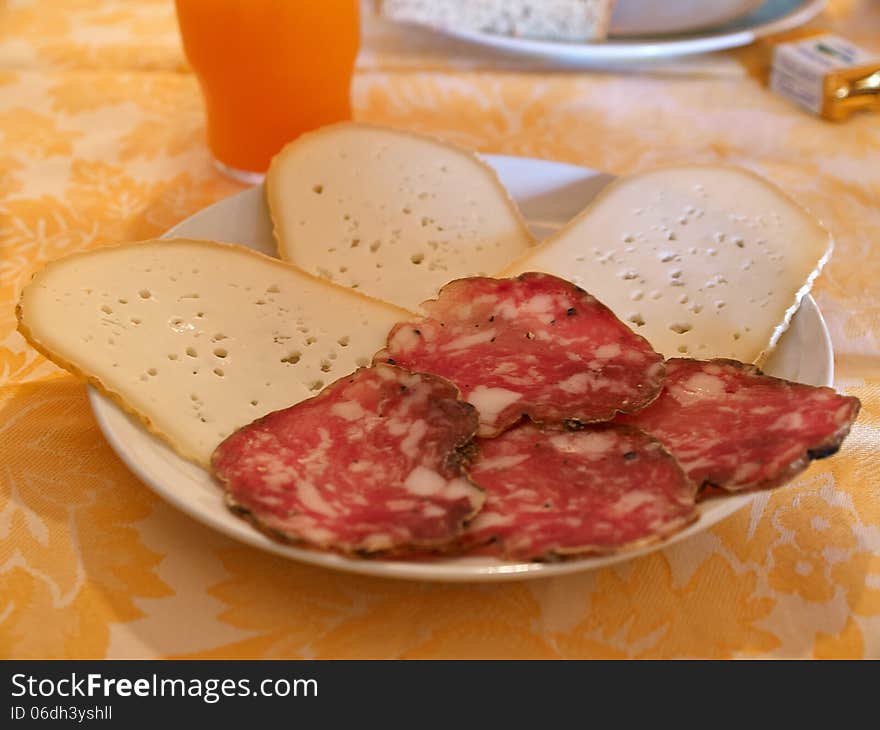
x: 102, y: 139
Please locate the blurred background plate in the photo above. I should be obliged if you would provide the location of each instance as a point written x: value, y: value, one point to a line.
x: 773, y: 16
x: 656, y: 17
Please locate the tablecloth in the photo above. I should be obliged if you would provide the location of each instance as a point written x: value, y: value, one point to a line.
x: 102, y: 139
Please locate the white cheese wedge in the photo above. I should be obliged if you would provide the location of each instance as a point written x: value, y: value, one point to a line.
x: 703, y: 261
x: 391, y: 214
x: 199, y: 338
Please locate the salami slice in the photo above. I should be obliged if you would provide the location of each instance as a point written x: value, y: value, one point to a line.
x: 733, y: 427
x: 602, y: 489
x: 372, y: 463
x: 535, y: 345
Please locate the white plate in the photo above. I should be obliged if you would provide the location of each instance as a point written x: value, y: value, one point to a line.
x: 774, y: 16
x: 649, y: 17
x: 549, y: 194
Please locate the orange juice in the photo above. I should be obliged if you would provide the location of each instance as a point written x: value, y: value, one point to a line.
x: 269, y: 70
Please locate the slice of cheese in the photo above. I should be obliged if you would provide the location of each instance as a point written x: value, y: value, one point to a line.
x: 392, y: 214
x: 199, y: 338
x: 703, y: 261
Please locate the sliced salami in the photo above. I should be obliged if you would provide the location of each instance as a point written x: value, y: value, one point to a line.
x: 535, y: 345
x: 373, y: 463
x: 602, y: 489
x: 731, y: 426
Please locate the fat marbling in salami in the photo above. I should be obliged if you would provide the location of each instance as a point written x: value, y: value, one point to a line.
x: 372, y: 463
x: 533, y: 345
x: 601, y: 489
x: 733, y: 427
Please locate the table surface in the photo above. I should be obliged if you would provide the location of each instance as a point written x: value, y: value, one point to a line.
x: 102, y: 139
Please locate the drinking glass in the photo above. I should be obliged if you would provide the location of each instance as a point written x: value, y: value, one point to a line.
x: 269, y: 70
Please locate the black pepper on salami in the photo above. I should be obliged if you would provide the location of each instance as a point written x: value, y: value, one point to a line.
x: 602, y: 489
x: 373, y: 463
x: 733, y: 427
x: 535, y: 346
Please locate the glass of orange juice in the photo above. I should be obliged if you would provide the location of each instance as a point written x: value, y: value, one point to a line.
x: 269, y: 70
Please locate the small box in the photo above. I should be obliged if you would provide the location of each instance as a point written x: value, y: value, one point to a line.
x: 827, y: 75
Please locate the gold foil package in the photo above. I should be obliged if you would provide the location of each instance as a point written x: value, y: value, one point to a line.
x: 826, y: 74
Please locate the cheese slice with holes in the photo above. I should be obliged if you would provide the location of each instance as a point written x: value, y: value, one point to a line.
x: 199, y: 338
x: 391, y: 214
x: 703, y: 261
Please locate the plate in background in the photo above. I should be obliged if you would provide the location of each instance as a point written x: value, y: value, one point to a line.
x: 549, y: 194
x: 773, y: 16
x: 650, y: 17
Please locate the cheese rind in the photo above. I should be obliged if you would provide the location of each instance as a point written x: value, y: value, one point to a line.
x: 392, y: 214
x: 198, y: 338
x: 703, y: 261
